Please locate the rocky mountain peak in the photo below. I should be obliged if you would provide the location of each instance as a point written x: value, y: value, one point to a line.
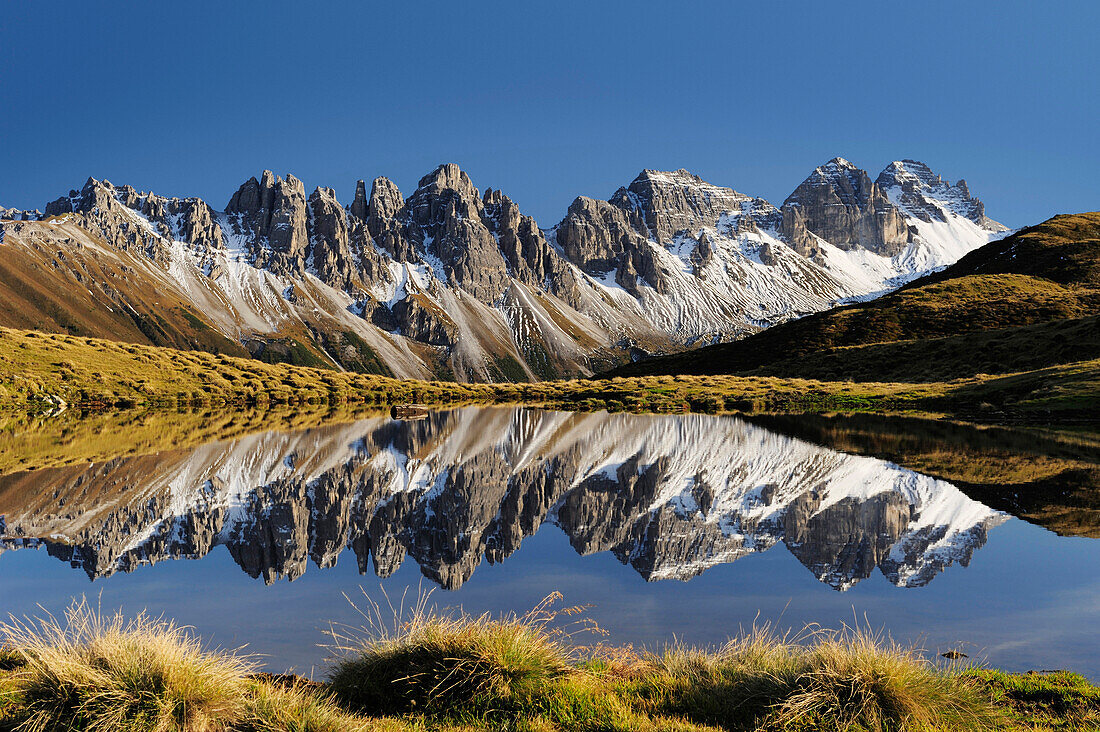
x: 93, y: 193
x: 380, y: 212
x: 447, y: 177
x: 839, y: 203
x: 358, y: 207
x: 249, y: 198
x: 850, y: 184
x: 676, y: 201
x: 110, y: 212
x: 272, y: 214
x: 444, y: 221
x: 839, y: 166
x: 665, y: 179
x: 385, y: 199
x: 928, y: 197
x: 529, y: 256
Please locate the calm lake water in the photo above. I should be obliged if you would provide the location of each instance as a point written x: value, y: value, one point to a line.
x: 685, y: 525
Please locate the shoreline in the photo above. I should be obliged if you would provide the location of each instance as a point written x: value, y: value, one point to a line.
x: 448, y: 671
x: 46, y: 374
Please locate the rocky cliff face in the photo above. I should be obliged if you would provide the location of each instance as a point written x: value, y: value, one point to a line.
x: 670, y: 496
x: 656, y: 208
x: 453, y: 281
x: 840, y: 204
x: 919, y: 193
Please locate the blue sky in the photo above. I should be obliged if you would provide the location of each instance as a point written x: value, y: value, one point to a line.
x: 550, y: 100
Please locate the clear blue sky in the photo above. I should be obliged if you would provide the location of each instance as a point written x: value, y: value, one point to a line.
x: 550, y: 100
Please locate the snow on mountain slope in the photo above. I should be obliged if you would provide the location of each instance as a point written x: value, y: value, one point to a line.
x: 453, y: 281
x: 707, y: 263
x: 726, y: 280
x: 945, y: 220
x: 670, y: 495
x: 906, y: 223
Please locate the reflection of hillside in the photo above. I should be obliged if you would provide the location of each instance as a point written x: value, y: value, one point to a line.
x: 669, y: 495
x: 1048, y: 477
x: 32, y: 443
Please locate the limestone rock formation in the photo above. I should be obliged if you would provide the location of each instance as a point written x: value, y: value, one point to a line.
x: 451, y: 278
x: 271, y: 213
x: 922, y: 194
x: 840, y: 204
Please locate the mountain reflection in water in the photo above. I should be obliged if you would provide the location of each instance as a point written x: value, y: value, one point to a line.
x: 668, y: 495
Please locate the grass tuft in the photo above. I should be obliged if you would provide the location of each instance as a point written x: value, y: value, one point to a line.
x: 433, y: 662
x: 102, y: 672
x: 857, y: 679
x: 296, y: 708
x: 845, y: 680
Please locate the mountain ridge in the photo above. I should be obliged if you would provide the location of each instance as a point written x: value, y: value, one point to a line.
x: 1028, y: 301
x: 452, y: 282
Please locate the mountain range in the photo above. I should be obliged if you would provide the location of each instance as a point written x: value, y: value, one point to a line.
x: 449, y: 282
x: 1028, y: 301
x: 670, y: 496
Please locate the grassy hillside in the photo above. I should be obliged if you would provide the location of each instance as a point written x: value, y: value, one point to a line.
x: 44, y: 288
x: 1064, y: 249
x: 1047, y: 274
x: 941, y: 359
x: 58, y: 277
x: 40, y: 372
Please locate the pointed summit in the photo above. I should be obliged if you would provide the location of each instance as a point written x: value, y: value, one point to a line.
x: 358, y: 207
x: 839, y: 203
x: 448, y: 176
x: 927, y: 196
x: 839, y: 163
x: 385, y: 199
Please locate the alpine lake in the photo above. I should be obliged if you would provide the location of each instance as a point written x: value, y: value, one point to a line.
x: 267, y: 533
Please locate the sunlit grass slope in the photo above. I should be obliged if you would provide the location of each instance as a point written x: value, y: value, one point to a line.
x: 39, y: 372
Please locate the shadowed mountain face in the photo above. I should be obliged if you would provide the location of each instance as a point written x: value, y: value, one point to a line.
x: 669, y: 495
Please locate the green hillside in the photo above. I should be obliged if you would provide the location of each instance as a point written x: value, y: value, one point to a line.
x: 1025, y: 302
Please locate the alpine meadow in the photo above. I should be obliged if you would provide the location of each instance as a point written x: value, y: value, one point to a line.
x: 447, y: 418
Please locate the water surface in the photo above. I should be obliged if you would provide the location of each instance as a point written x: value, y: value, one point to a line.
x: 685, y: 525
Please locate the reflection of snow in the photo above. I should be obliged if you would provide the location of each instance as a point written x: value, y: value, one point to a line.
x: 716, y: 489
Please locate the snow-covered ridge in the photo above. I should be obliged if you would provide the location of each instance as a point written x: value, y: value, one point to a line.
x: 669, y: 495
x: 461, y: 280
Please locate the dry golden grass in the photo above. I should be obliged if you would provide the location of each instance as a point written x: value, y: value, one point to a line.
x: 852, y: 679
x: 37, y: 370
x: 484, y: 669
x: 429, y: 661
x: 105, y: 673
x: 426, y: 670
